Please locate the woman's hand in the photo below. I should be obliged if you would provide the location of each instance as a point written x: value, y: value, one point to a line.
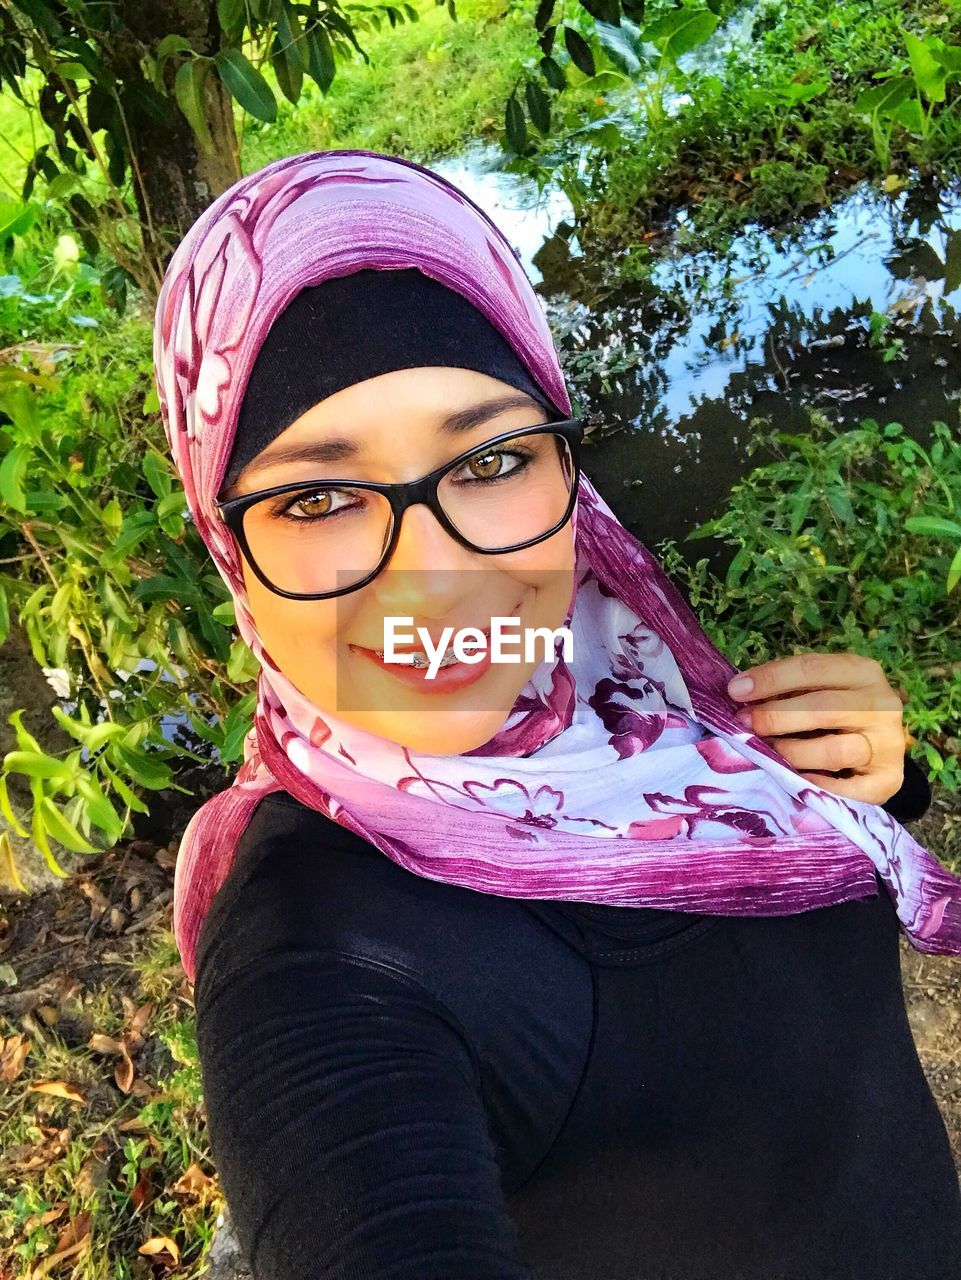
x: 843, y: 698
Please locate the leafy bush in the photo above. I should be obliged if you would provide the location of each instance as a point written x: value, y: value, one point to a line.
x: 838, y: 547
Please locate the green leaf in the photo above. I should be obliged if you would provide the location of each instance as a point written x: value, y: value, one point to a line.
x: 39, y: 14
x: 911, y: 115
x: 604, y: 11
x: 99, y: 808
x: 680, y: 30
x: 148, y: 771
x: 538, y: 106
x: 291, y: 37
x: 36, y: 765
x: 225, y: 613
x: 157, y: 473
x: 175, y: 502
x: 163, y: 587
x: 946, y: 55
x: 63, y: 831
x: 39, y: 832
x: 839, y: 501
x: 4, y: 615
x: 320, y: 57
x: 954, y: 572
x: 231, y: 14
x: 25, y: 740
x: 172, y: 44
x: 929, y: 74
x: 553, y: 73
x: 543, y: 15
x: 883, y: 98
x: 934, y: 526
x: 288, y: 70
x: 72, y: 71
x: 515, y: 125
x: 247, y: 85
x: 188, y: 90
x: 130, y: 798
x: 579, y: 51
x: 13, y: 469
x: 15, y: 219
x: 622, y: 47
x: 7, y: 810
x: 241, y: 665
x: 737, y: 567
x: 796, y: 93
x: 112, y: 516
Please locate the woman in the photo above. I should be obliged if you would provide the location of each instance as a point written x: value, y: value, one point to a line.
x: 551, y: 968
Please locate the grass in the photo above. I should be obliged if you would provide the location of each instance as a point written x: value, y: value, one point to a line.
x: 431, y: 87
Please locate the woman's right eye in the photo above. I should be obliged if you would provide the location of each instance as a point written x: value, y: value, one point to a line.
x: 315, y: 505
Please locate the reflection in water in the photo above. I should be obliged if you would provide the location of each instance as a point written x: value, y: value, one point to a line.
x: 854, y: 313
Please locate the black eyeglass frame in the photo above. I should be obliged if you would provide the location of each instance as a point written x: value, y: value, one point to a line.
x: 403, y: 495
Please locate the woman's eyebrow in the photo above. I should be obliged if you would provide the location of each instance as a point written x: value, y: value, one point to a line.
x: 337, y: 449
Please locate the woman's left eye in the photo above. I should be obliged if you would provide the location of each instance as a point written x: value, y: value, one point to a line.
x: 489, y: 465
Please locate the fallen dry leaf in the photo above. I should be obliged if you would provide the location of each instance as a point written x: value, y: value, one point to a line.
x: 59, y: 1089
x: 13, y: 1052
x: 124, y: 1072
x: 135, y: 1124
x: 142, y: 1191
x: 44, y: 1219
x: 105, y: 1044
x: 141, y: 1017
x: 157, y: 1244
x: 99, y: 902
x: 193, y: 1181
x: 9, y: 876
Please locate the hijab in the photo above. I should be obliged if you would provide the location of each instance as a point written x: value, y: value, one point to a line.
x: 366, y: 324
x: 620, y: 776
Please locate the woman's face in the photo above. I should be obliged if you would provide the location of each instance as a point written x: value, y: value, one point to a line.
x: 392, y: 426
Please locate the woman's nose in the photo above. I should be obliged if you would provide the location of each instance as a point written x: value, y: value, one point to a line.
x: 428, y: 570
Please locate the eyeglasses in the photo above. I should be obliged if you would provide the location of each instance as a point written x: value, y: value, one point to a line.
x: 314, y: 539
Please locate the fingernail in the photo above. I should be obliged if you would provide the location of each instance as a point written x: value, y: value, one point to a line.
x: 744, y: 715
x: 739, y: 685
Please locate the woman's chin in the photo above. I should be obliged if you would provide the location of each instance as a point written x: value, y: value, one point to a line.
x: 433, y: 731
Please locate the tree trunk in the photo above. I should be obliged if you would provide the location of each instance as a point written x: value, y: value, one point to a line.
x: 173, y: 177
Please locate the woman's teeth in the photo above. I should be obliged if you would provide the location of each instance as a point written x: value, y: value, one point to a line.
x: 422, y: 660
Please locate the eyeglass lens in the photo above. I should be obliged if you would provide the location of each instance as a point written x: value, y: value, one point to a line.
x: 325, y: 537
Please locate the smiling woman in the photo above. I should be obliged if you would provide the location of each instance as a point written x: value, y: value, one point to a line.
x: 556, y: 970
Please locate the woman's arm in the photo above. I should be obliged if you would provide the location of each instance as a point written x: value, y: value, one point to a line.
x: 347, y: 1125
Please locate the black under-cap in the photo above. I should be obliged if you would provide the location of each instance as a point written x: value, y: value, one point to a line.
x: 354, y: 327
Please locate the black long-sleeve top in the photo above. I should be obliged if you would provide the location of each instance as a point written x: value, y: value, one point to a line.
x: 410, y: 1080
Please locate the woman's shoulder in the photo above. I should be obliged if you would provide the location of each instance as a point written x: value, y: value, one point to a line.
x: 302, y: 883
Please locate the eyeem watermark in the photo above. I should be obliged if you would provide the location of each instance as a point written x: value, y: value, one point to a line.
x: 471, y: 645
x: 473, y: 617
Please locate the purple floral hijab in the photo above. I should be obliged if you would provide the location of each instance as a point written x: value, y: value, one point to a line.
x: 620, y: 777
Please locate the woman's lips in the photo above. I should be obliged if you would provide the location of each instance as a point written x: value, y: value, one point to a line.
x: 447, y: 679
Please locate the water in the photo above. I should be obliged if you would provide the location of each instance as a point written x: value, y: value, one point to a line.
x: 685, y: 359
